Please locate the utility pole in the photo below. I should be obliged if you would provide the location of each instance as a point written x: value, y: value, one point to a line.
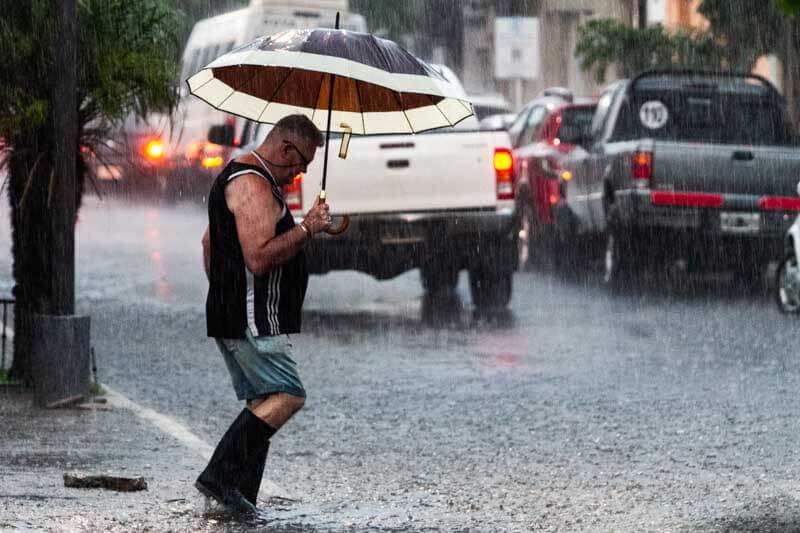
x: 642, y: 13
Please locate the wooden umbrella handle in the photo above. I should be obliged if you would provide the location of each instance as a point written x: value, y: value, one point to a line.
x: 345, y: 219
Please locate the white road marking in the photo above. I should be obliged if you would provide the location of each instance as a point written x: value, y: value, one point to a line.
x: 180, y: 432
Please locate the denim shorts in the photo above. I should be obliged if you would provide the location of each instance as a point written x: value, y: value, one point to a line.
x: 260, y: 366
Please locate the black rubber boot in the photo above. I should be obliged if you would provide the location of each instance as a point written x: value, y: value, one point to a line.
x: 251, y: 482
x: 240, y: 448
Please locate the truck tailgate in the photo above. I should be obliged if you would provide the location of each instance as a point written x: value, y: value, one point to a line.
x: 407, y: 173
x: 726, y: 169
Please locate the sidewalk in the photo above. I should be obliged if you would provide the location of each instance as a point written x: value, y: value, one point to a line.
x: 38, y: 446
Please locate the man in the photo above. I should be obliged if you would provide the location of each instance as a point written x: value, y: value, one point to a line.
x: 253, y: 255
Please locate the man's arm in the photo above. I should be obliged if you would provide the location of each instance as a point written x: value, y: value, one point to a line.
x: 207, y: 252
x: 257, y: 213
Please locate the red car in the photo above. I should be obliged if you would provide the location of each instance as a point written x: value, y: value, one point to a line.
x: 543, y: 134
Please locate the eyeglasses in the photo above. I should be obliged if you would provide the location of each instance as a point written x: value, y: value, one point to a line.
x: 304, y: 159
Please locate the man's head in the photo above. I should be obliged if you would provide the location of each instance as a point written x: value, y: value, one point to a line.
x: 290, y: 147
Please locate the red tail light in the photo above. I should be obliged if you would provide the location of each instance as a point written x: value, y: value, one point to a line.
x: 293, y: 194
x: 642, y: 167
x: 686, y: 199
x: 779, y: 203
x: 504, y: 173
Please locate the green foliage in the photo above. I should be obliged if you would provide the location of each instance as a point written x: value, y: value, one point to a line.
x: 602, y: 43
x: 126, y: 55
x: 751, y: 27
x: 789, y: 7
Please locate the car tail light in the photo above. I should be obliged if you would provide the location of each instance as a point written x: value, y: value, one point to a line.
x: 686, y: 199
x: 779, y: 203
x: 504, y: 173
x: 552, y: 192
x: 293, y: 194
x: 642, y: 167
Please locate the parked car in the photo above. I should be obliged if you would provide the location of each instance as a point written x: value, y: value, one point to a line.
x: 787, y: 276
x: 486, y: 105
x: 500, y: 121
x: 544, y: 133
x: 684, y: 164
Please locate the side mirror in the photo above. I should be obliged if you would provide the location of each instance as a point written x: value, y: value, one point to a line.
x: 798, y: 188
x: 222, y: 134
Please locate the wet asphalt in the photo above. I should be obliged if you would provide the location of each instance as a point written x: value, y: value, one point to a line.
x: 672, y: 406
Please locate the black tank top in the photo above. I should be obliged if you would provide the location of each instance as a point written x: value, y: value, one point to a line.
x: 268, y: 304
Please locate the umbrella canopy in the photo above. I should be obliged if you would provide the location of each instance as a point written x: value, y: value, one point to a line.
x: 378, y: 86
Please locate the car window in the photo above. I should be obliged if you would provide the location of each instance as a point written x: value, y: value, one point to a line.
x: 533, y: 124
x: 516, y: 127
x: 576, y: 124
x: 704, y: 116
x: 599, y: 119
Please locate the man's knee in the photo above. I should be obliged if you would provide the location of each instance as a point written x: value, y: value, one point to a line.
x: 296, y: 402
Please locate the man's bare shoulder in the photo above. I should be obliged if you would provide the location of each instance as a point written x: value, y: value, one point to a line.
x: 248, y: 189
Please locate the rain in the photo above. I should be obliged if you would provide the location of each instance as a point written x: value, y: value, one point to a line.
x: 566, y: 297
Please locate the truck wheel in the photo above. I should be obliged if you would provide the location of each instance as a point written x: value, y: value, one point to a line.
x: 787, y: 285
x: 525, y: 240
x: 490, y: 290
x: 618, y: 261
x: 438, y: 278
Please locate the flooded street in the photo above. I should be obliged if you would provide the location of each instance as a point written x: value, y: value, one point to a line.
x: 659, y: 409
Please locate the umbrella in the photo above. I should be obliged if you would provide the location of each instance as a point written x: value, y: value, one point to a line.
x: 344, y: 81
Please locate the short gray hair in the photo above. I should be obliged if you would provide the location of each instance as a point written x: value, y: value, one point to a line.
x: 299, y: 126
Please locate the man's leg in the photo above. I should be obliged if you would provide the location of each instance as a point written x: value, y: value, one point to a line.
x: 276, y: 409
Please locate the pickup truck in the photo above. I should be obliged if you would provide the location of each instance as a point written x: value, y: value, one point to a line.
x: 683, y: 164
x: 440, y: 201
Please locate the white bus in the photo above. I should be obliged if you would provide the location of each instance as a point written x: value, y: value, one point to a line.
x: 175, y: 149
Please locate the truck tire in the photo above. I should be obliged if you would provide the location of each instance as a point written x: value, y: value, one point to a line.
x: 619, y: 261
x: 490, y: 290
x: 526, y: 245
x: 438, y: 278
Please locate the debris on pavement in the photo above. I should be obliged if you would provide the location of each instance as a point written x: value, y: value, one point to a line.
x: 120, y: 484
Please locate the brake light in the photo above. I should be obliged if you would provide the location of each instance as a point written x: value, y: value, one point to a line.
x: 293, y: 194
x: 686, y: 199
x: 642, y: 167
x: 154, y: 149
x: 779, y: 203
x: 504, y: 173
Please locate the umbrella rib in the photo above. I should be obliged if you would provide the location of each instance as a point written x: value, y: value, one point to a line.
x: 361, y: 109
x: 321, y: 83
x: 278, y: 88
x: 399, y: 101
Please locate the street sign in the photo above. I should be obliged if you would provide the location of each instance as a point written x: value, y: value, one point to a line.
x: 516, y: 45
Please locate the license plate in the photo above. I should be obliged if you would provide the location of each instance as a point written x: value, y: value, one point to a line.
x: 402, y: 235
x: 733, y: 222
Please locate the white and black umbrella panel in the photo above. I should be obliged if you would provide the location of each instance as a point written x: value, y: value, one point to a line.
x: 378, y: 88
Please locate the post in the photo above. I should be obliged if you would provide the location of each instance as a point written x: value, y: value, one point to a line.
x: 518, y: 93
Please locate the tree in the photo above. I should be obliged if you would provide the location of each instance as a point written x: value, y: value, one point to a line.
x: 126, y: 64
x: 606, y: 42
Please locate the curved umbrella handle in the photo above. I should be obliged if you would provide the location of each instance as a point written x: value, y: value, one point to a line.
x: 342, y: 228
x: 345, y: 219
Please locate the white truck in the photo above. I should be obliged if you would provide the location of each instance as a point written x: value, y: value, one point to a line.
x: 441, y: 201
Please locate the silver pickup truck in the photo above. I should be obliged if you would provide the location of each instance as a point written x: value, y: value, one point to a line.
x: 683, y: 164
